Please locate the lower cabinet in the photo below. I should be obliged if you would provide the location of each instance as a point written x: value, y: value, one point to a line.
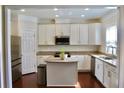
x: 110, y: 76
x: 106, y: 74
x: 99, y: 70
x: 83, y: 62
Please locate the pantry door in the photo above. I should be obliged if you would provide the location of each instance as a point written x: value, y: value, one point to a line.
x: 28, y: 28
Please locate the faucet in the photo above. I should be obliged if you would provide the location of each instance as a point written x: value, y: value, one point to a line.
x: 110, y: 46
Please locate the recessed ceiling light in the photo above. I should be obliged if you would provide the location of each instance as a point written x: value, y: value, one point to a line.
x: 86, y: 9
x: 82, y: 15
x: 55, y: 9
x: 22, y: 10
x: 110, y: 7
x: 57, y: 15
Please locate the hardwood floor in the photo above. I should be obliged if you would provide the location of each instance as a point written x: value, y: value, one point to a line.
x: 85, y: 80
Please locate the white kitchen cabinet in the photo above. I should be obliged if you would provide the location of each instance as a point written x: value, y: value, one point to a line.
x: 83, y: 62
x: 94, y: 34
x: 106, y: 75
x: 74, y: 34
x: 46, y: 34
x: 83, y: 36
x: 114, y: 80
x: 42, y: 34
x: 99, y: 70
x: 110, y: 76
x: 87, y: 63
x: 62, y: 29
x: 50, y: 34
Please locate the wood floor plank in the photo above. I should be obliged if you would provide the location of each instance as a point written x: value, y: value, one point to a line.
x: 85, y: 80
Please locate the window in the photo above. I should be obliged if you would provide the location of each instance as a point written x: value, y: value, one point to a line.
x: 111, y: 40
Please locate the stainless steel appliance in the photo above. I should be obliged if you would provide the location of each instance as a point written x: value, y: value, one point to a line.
x: 16, y: 57
x: 93, y: 66
x: 62, y: 40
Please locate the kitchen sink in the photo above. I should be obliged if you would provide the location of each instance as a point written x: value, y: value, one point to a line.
x: 107, y: 58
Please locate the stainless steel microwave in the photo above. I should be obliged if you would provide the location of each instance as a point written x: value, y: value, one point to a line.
x: 62, y: 40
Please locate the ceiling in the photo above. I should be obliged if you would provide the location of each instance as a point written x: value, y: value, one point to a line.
x: 64, y: 11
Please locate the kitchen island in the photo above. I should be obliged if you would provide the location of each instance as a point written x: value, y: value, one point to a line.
x: 61, y: 73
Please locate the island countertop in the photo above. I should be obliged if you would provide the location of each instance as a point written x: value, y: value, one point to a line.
x: 57, y: 59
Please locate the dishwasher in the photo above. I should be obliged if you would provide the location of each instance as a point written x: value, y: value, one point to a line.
x: 93, y: 66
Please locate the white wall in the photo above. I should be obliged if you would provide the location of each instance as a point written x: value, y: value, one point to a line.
x: 121, y: 47
x: 108, y: 20
x: 68, y: 48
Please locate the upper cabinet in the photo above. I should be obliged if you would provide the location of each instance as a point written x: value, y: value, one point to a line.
x: 62, y: 29
x: 80, y: 34
x: 46, y: 34
x: 83, y: 36
x: 50, y: 34
x: 74, y: 34
x: 42, y: 34
x: 94, y: 34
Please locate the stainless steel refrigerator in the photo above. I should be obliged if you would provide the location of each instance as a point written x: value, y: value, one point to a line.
x: 16, y: 57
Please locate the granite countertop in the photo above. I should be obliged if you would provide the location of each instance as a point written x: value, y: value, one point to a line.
x: 50, y: 54
x: 58, y: 60
x: 71, y: 52
x: 112, y: 62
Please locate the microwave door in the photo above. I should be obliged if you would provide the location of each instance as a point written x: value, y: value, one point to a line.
x: 62, y: 40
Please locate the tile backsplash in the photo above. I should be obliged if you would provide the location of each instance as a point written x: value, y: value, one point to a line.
x: 69, y: 48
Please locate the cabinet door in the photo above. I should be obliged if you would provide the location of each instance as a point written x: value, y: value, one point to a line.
x: 114, y: 80
x: 50, y: 34
x: 74, y: 35
x: 42, y: 34
x: 99, y: 70
x: 58, y: 30
x: 95, y: 34
x: 81, y: 61
x: 62, y: 29
x: 106, y: 75
x: 83, y: 34
x: 87, y: 63
x: 114, y: 77
x: 66, y: 29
